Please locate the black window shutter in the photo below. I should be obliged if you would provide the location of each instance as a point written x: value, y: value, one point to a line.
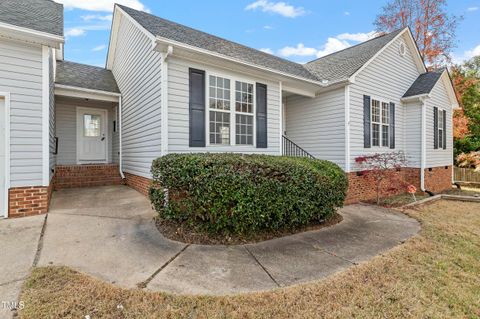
x: 444, y: 130
x: 197, y: 107
x: 392, y: 125
x: 435, y: 127
x: 366, y: 122
x: 261, y: 91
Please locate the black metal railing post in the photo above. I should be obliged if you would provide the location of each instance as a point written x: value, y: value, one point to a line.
x: 289, y: 148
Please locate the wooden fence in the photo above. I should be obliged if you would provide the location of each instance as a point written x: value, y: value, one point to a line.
x: 466, y: 175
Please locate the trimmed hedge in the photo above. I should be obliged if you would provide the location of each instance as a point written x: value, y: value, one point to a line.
x: 240, y: 194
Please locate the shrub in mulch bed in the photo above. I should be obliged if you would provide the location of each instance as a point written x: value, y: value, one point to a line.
x: 242, y: 194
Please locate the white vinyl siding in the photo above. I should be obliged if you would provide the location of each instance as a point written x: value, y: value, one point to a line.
x: 413, y: 133
x: 53, y: 156
x: 178, y: 110
x: 66, y: 127
x: 137, y: 70
x: 21, y: 75
x: 115, y: 136
x: 318, y: 124
x: 439, y: 98
x: 386, y: 78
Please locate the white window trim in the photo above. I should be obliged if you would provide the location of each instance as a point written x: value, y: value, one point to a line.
x: 440, y: 124
x: 379, y: 147
x: 233, y: 112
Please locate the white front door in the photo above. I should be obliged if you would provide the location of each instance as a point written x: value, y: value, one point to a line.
x: 92, y: 139
x: 3, y: 160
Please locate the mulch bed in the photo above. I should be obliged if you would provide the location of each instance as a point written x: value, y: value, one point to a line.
x: 187, y: 234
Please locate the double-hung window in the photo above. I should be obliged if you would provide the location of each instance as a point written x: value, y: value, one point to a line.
x: 441, y: 129
x: 230, y: 123
x: 219, y: 106
x: 380, y: 123
x: 244, y: 113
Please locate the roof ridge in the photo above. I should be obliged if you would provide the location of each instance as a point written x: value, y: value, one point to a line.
x: 212, y: 35
x: 84, y: 64
x: 356, y: 45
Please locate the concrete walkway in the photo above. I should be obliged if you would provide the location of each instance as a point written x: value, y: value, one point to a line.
x: 18, y: 247
x: 108, y: 232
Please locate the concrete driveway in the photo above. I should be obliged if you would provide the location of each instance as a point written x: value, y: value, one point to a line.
x: 109, y: 232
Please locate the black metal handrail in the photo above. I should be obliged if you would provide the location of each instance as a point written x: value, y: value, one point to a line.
x: 289, y: 148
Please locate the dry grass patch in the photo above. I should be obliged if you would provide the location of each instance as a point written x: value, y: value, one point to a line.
x: 433, y: 275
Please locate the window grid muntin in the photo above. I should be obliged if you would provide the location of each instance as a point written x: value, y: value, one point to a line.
x: 250, y: 89
x: 441, y: 129
x: 243, y: 97
x: 219, y: 93
x: 244, y: 129
x: 219, y: 126
x: 380, y: 123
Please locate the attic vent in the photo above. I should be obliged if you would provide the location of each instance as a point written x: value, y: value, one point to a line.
x: 402, y: 49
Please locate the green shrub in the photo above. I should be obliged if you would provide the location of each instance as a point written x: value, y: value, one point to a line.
x: 466, y: 145
x: 240, y: 194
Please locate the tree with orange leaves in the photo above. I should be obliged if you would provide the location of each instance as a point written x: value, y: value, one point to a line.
x: 432, y: 28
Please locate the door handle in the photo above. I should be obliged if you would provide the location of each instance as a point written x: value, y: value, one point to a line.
x: 103, y: 138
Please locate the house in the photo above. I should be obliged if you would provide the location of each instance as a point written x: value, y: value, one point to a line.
x: 168, y: 88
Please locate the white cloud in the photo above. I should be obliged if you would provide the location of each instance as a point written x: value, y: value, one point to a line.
x: 473, y: 52
x: 472, y: 9
x: 268, y: 27
x: 101, y: 5
x: 299, y: 50
x: 267, y: 50
x: 357, y: 37
x: 91, y: 17
x: 99, y: 48
x: 74, y: 32
x: 280, y: 8
x: 346, y: 13
x: 332, y: 45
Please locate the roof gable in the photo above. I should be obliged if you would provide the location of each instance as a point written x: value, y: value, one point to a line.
x: 343, y: 64
x: 39, y: 15
x: 424, y: 83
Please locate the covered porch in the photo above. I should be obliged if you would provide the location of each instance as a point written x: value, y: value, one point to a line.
x: 86, y: 127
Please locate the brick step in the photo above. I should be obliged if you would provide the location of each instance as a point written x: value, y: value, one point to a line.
x: 87, y: 176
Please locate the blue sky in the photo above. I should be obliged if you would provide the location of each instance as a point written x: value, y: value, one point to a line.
x: 293, y: 29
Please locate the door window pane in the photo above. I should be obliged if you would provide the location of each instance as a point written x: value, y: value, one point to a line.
x: 91, y: 125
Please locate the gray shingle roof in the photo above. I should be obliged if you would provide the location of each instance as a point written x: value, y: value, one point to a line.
x: 343, y: 64
x: 85, y: 76
x: 334, y: 67
x: 174, y: 31
x: 40, y: 15
x: 424, y: 83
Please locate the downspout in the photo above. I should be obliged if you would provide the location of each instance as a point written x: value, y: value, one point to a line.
x: 120, y: 153
x: 423, y: 147
x: 164, y: 101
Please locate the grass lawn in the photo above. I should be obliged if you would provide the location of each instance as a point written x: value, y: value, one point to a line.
x: 433, y: 275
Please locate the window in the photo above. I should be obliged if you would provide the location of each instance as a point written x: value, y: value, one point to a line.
x: 380, y: 123
x: 230, y: 125
x: 219, y: 100
x: 91, y: 125
x: 441, y: 129
x: 244, y: 113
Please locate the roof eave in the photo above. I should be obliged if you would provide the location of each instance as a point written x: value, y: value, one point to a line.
x: 161, y: 45
x: 30, y: 35
x: 418, y: 97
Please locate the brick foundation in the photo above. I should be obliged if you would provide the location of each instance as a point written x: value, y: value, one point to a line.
x: 438, y: 179
x: 70, y: 176
x: 28, y: 201
x: 138, y: 183
x: 363, y: 188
